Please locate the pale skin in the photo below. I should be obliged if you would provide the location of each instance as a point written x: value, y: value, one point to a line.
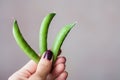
x: 44, y: 70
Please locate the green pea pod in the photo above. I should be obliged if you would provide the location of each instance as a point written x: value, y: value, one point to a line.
x: 44, y: 32
x: 60, y: 38
x: 23, y: 44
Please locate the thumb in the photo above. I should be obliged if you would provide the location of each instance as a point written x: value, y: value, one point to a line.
x: 44, y: 66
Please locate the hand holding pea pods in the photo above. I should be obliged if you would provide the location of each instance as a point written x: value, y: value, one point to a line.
x: 42, y: 38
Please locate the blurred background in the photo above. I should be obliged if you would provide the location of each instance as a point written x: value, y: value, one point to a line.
x: 92, y: 48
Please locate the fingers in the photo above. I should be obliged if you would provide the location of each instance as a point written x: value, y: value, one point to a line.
x: 42, y: 70
x: 58, y: 70
x: 29, y: 68
x: 44, y: 67
x: 62, y: 76
x: 24, y: 72
x: 60, y: 59
x: 59, y: 67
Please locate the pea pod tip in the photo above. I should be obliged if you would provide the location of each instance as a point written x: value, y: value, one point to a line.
x: 53, y: 13
x: 15, y: 21
x: 72, y: 25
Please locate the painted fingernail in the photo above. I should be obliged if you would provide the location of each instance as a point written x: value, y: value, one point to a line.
x: 59, y: 52
x: 48, y: 55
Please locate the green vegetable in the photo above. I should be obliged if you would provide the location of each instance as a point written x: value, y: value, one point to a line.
x: 60, y: 38
x: 23, y: 44
x: 44, y: 32
x: 42, y: 39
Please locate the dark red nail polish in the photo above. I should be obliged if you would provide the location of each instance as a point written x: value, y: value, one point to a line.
x: 48, y: 55
x: 59, y: 52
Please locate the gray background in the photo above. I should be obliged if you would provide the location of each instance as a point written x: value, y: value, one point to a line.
x: 92, y: 48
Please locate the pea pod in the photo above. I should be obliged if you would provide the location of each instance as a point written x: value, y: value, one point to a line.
x: 42, y: 38
x: 60, y: 38
x: 44, y: 32
x: 23, y: 44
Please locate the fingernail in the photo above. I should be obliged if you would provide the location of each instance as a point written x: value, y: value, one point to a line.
x: 48, y: 55
x: 59, y: 52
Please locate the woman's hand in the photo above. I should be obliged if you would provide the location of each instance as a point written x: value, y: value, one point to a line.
x: 44, y: 70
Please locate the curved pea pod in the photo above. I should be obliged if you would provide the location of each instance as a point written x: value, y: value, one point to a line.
x: 44, y: 32
x: 23, y: 44
x: 60, y: 39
